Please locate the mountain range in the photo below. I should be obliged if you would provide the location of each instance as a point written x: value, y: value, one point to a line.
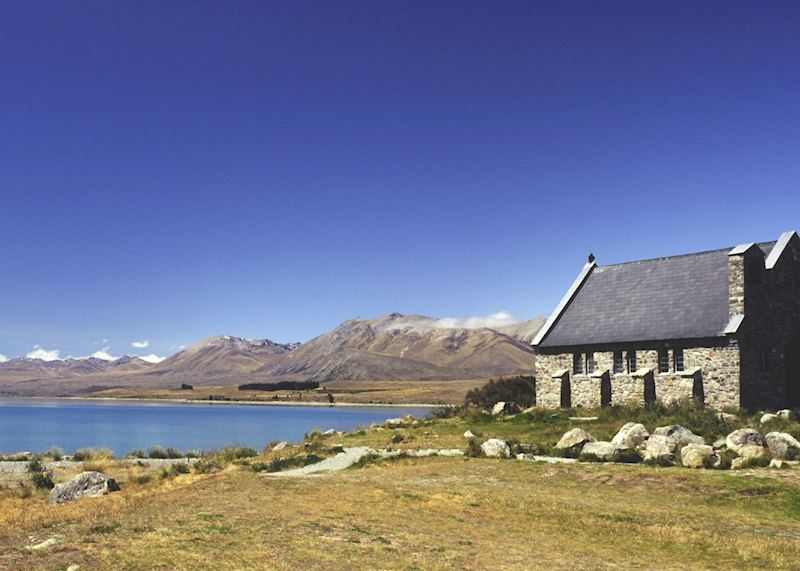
x: 392, y: 347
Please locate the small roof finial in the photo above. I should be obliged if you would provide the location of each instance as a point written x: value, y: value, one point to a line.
x: 591, y: 258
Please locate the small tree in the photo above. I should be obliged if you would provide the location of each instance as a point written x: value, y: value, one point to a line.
x: 521, y: 390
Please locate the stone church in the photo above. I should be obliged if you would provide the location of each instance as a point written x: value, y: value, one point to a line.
x: 722, y: 327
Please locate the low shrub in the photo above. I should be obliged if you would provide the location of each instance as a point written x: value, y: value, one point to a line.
x: 365, y: 460
x: 138, y: 453
x: 397, y: 438
x: 174, y: 453
x: 42, y: 481
x: 756, y: 462
x: 473, y: 448
x: 521, y: 390
x: 573, y: 452
x: 181, y: 468
x: 628, y: 456
x: 659, y: 462
x: 55, y: 453
x: 92, y: 454
x: 157, y: 453
x: 726, y: 458
x: 232, y: 453
x: 143, y: 479
x: 193, y: 454
x: 447, y: 411
x: 284, y: 463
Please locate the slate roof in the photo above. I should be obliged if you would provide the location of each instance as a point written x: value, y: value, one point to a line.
x: 680, y: 297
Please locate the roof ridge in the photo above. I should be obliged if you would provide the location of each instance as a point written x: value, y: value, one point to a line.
x: 660, y: 258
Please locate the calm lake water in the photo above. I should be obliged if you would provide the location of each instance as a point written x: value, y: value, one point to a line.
x: 35, y: 425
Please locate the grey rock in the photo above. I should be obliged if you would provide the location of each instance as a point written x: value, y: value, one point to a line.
x: 785, y: 414
x: 577, y: 437
x: 632, y: 435
x: 753, y: 452
x: 86, y: 485
x: 679, y: 435
x: 777, y: 463
x: 604, y: 451
x: 719, y: 444
x: 280, y: 446
x: 659, y: 446
x: 496, y: 448
x: 768, y: 417
x: 783, y: 445
x: 469, y: 434
x: 743, y: 437
x: 697, y: 455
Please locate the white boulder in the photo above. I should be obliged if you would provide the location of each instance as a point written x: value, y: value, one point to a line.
x: 469, y: 434
x: 785, y: 414
x: 768, y: 417
x: 783, y: 445
x: 604, y: 451
x: 679, y: 435
x: 743, y: 437
x: 697, y: 455
x: 496, y: 448
x: 574, y: 438
x: 632, y: 435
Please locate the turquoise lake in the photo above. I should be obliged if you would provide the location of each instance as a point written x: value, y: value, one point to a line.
x: 36, y: 424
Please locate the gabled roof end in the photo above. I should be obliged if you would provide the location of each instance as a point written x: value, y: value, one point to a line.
x: 573, y: 290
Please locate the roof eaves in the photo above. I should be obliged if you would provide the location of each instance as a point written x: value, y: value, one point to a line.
x: 734, y: 324
x: 741, y: 249
x: 565, y: 301
x: 780, y: 246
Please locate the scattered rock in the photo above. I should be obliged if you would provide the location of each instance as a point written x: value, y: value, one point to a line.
x: 496, y: 448
x: 528, y: 456
x: 768, y: 417
x: 503, y: 407
x: 394, y: 422
x: 743, y: 437
x: 73, y: 567
x: 329, y: 432
x: 469, y: 434
x: 719, y: 444
x: 280, y: 445
x: 679, y: 435
x: 43, y: 545
x: 583, y: 418
x: 529, y: 410
x: 86, y: 485
x: 604, y: 451
x: 727, y: 416
x: 783, y: 445
x: 577, y: 437
x: 659, y: 446
x: 631, y: 435
x: 785, y: 414
x: 697, y: 455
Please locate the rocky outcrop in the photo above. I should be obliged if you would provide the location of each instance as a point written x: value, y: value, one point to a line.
x: 496, y: 448
x: 698, y: 456
x: 86, y: 485
x: 631, y: 435
x: 738, y: 439
x: 575, y: 438
x: 783, y: 445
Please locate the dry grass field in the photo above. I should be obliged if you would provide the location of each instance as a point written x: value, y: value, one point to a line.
x: 423, y: 513
x: 358, y: 392
x: 435, y: 513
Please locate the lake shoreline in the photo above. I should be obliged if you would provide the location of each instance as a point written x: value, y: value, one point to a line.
x: 232, y: 402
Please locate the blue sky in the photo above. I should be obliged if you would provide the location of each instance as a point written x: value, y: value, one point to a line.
x: 175, y: 170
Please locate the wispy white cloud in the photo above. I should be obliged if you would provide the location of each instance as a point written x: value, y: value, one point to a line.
x: 104, y: 354
x: 141, y: 344
x: 491, y: 321
x: 152, y: 358
x: 43, y: 354
x: 3, y: 358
